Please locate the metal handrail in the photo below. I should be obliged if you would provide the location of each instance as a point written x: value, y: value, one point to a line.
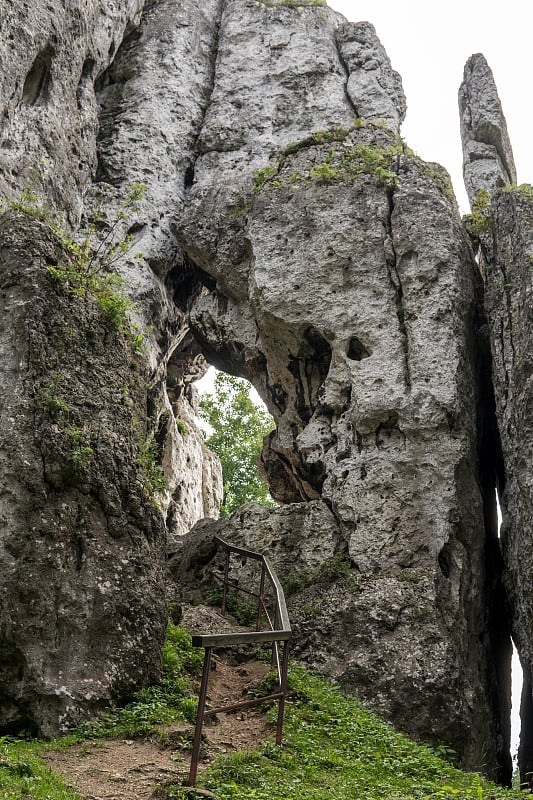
x: 280, y: 631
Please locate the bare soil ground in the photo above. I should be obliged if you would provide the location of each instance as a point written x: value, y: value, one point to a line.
x: 126, y: 769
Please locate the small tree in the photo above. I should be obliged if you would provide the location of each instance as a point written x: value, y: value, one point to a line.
x: 238, y: 426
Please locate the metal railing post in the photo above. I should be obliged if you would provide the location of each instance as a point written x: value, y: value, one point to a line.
x: 261, y: 598
x: 195, y: 755
x: 283, y: 689
x: 275, y: 652
x: 225, y: 584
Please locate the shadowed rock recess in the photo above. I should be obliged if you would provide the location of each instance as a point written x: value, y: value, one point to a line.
x: 287, y: 235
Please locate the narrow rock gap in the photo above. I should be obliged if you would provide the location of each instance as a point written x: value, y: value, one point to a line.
x: 492, y: 482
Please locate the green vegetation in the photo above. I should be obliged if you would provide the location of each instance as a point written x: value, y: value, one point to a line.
x: 168, y: 701
x: 340, y: 164
x: 239, y: 427
x: 48, y: 396
x: 335, y: 749
x: 24, y: 777
x: 244, y: 611
x: 181, y: 426
x: 332, y: 749
x: 480, y: 220
x: 80, y: 450
x: 525, y: 189
x: 337, y: 133
x: 148, y: 461
x: 90, y: 264
x: 335, y: 568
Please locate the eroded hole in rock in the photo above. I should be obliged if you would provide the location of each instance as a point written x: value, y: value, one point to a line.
x: 310, y: 367
x: 38, y: 78
x: 85, y: 82
x: 356, y: 350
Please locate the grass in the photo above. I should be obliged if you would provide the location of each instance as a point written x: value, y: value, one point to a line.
x: 23, y: 776
x: 333, y: 748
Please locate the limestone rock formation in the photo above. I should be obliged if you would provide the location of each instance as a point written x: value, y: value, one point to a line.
x: 82, y: 545
x: 375, y: 89
x: 364, y: 349
x: 508, y: 303
x: 488, y: 161
x: 52, y: 53
x: 99, y: 550
x: 287, y: 235
x: 505, y: 259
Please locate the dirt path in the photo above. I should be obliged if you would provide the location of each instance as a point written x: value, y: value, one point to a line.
x: 125, y: 769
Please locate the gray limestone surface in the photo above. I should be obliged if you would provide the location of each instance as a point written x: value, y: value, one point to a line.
x: 488, y: 161
x: 509, y: 301
x: 354, y: 316
x: 286, y: 235
x: 505, y: 254
x: 82, y: 612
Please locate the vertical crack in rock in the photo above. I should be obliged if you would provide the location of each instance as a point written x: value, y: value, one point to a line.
x: 344, y: 65
x: 508, y: 289
x: 158, y: 89
x: 208, y: 92
x: 396, y: 284
x: 374, y: 88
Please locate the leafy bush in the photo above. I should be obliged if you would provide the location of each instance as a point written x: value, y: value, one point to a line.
x: 480, y: 220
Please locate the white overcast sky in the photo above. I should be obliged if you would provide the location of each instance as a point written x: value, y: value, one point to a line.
x: 428, y: 44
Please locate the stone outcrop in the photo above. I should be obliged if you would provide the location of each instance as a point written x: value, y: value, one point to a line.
x: 52, y: 53
x: 364, y: 350
x: 289, y: 236
x: 488, y: 161
x: 82, y: 612
x: 505, y: 259
x: 92, y: 543
x: 375, y: 89
x: 508, y: 303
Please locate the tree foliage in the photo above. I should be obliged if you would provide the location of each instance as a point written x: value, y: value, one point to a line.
x: 238, y: 427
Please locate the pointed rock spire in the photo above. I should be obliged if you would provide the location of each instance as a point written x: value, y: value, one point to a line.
x: 488, y: 161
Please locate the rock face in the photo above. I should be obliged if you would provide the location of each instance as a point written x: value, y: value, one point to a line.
x: 82, y: 546
x: 78, y: 521
x: 51, y: 56
x: 286, y: 235
x: 508, y: 302
x: 488, y: 161
x: 505, y: 258
x: 345, y: 290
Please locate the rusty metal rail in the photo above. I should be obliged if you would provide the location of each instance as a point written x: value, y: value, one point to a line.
x: 278, y: 633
